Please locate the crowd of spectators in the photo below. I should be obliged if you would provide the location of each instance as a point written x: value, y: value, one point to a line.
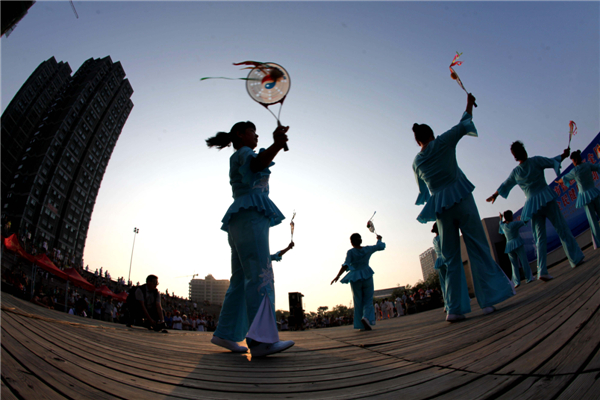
x: 28, y: 282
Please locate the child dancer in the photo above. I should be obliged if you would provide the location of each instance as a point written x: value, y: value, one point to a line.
x: 589, y: 194
x: 250, y: 299
x: 515, y: 247
x: 360, y: 278
x: 452, y: 206
x: 540, y: 204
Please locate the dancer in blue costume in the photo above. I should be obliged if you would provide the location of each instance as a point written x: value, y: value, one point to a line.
x: 515, y: 247
x: 452, y: 206
x: 442, y: 269
x: 589, y: 194
x: 360, y: 279
x: 540, y: 204
x: 249, y: 306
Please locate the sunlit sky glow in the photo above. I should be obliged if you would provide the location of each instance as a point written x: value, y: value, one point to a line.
x: 362, y: 73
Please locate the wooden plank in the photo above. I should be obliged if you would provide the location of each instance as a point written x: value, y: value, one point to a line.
x: 594, y: 364
x: 94, y: 378
x: 6, y: 393
x: 486, y: 387
x: 535, y: 387
x: 495, y: 323
x: 584, y: 341
x: 585, y: 386
x: 22, y: 382
x: 553, y: 342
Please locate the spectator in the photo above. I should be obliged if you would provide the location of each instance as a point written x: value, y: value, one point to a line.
x: 185, y: 323
x: 177, y: 321
x: 146, y: 306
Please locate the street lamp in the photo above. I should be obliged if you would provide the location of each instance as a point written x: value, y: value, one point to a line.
x: 135, y: 232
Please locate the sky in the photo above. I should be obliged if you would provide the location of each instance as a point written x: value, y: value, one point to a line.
x: 361, y: 74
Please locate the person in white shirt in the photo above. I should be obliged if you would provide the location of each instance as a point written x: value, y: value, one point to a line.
x: 177, y: 321
x: 200, y: 324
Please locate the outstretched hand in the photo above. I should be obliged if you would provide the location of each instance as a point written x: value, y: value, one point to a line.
x: 335, y: 280
x: 492, y: 198
x: 566, y: 153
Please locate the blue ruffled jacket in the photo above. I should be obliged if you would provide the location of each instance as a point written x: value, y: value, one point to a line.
x: 250, y: 189
x: 436, y: 171
x: 582, y: 174
x: 357, y: 261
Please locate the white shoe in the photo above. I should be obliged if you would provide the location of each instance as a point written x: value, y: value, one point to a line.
x: 546, y: 278
x: 489, y: 310
x: 366, y: 324
x: 229, y: 345
x: 264, y: 349
x: 454, y: 317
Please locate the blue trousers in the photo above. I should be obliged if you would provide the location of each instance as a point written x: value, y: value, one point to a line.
x: 592, y: 210
x: 538, y: 226
x: 442, y: 274
x: 516, y: 256
x: 362, y: 295
x: 251, y: 274
x: 491, y: 285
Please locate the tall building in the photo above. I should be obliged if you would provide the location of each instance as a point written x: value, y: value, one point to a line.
x: 58, y: 134
x: 24, y: 113
x: 12, y: 13
x: 427, y: 259
x: 208, y: 289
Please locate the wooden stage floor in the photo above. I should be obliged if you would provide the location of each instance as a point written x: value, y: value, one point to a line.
x: 542, y: 343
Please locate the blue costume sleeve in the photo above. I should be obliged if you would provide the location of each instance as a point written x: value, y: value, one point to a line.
x: 245, y: 156
x: 594, y: 167
x: 501, y: 228
x: 464, y: 127
x: 276, y: 256
x: 507, y: 185
x: 567, y: 178
x: 423, y: 191
x: 348, y: 261
x: 551, y: 163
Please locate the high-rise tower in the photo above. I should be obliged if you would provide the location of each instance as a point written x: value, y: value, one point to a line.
x: 59, y: 167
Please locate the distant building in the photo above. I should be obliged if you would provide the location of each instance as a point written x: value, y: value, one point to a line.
x: 383, y: 293
x: 58, y: 134
x: 427, y: 260
x: 208, y: 289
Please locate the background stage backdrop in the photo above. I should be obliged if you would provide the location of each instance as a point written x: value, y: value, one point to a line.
x: 575, y: 217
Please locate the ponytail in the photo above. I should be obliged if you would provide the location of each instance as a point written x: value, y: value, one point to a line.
x: 225, y: 139
x: 576, y: 155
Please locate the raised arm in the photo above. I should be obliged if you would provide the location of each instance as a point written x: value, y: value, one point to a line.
x: 470, y: 102
x: 264, y: 159
x: 288, y: 248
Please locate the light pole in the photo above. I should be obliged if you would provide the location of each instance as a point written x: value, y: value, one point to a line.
x: 135, y: 232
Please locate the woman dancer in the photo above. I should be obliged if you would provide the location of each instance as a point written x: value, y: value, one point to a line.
x: 247, y: 224
x: 360, y: 279
x: 452, y: 206
x: 540, y: 204
x: 589, y: 194
x: 515, y: 247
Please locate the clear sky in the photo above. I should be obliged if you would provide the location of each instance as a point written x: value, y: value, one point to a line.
x: 362, y: 73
